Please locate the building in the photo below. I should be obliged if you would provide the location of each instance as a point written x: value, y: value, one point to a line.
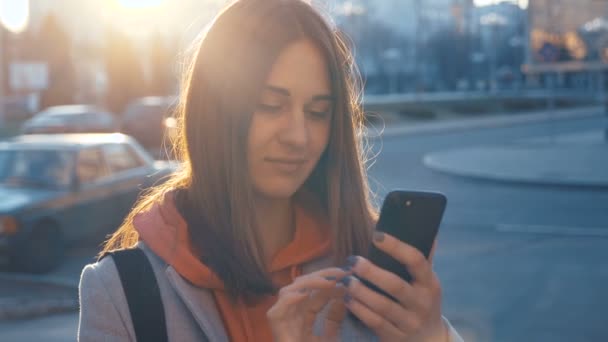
x: 390, y: 36
x: 568, y: 43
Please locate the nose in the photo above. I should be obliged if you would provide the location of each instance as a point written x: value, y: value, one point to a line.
x: 295, y: 130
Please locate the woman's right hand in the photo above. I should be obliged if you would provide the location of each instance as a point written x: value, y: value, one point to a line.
x: 292, y: 317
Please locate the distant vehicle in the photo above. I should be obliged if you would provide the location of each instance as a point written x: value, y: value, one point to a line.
x: 149, y: 120
x: 59, y: 189
x: 71, y: 119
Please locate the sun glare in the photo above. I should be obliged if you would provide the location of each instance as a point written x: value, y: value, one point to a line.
x: 14, y: 15
x: 140, y: 3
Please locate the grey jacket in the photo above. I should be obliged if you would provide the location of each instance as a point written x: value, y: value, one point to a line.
x: 190, y: 311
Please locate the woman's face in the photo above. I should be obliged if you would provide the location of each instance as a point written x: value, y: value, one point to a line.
x: 291, y: 125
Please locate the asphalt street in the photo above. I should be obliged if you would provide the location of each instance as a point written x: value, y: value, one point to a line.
x: 505, y: 279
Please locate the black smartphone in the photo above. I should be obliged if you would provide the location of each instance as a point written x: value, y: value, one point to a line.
x: 413, y: 217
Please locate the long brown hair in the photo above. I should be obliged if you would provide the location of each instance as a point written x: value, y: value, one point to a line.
x: 219, y: 94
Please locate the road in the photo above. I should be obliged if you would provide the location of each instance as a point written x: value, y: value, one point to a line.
x: 510, y: 286
x: 498, y: 286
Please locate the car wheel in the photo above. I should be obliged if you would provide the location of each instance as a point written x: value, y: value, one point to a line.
x: 43, y: 251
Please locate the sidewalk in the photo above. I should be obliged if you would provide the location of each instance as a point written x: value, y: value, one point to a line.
x: 22, y: 298
x: 565, y: 160
x: 25, y: 296
x: 392, y: 125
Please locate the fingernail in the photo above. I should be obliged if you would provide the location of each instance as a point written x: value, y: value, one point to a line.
x: 351, y: 261
x: 347, y: 298
x: 378, y: 236
x: 346, y: 281
x: 331, y: 278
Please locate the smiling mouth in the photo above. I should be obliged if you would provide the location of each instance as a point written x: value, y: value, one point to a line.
x: 286, y: 165
x: 286, y: 161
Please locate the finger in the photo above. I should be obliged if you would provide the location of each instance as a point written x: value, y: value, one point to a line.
x: 318, y: 300
x: 386, y: 281
x: 333, y: 300
x: 285, y: 302
x: 417, y: 265
x: 321, y: 297
x: 384, y: 307
x: 383, y: 328
x: 322, y: 279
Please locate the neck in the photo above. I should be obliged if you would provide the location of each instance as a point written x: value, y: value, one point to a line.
x: 275, y: 224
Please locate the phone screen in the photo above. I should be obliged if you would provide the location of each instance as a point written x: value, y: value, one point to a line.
x: 413, y: 217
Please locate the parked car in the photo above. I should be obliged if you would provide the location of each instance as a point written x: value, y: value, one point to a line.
x: 71, y: 119
x: 56, y: 190
x: 150, y: 120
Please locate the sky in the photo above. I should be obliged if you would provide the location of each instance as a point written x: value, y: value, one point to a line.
x: 522, y: 3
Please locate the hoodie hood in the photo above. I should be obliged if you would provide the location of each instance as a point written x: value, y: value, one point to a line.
x: 164, y: 230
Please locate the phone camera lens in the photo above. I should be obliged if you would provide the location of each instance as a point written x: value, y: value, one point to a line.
x: 408, y: 203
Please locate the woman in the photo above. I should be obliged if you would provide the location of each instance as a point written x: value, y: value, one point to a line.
x: 272, y: 194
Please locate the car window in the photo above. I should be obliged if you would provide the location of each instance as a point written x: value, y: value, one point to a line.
x: 121, y: 157
x: 36, y: 168
x: 91, y: 166
x: 136, y: 155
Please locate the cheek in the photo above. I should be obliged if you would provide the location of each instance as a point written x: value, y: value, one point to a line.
x: 256, y: 136
x: 320, y: 138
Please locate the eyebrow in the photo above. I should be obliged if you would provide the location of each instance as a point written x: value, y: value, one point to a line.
x: 286, y: 92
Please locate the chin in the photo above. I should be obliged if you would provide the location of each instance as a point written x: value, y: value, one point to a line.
x: 277, y: 189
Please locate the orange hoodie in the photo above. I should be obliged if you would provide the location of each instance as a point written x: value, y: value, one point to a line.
x: 164, y: 230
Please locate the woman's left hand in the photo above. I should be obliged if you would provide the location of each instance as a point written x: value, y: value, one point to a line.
x: 416, y: 315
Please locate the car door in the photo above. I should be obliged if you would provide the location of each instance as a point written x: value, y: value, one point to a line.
x: 92, y: 207
x: 129, y: 173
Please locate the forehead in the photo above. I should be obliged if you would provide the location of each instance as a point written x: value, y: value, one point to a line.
x: 301, y: 68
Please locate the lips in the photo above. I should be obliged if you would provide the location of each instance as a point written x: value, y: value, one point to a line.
x: 287, y: 165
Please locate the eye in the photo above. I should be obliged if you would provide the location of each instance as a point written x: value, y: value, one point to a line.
x: 318, y: 115
x: 320, y: 109
x: 269, y: 108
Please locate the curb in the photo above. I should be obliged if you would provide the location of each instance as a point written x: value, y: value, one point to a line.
x: 435, y: 162
x: 16, y: 309
x: 39, y: 280
x: 36, y: 305
x: 502, y: 120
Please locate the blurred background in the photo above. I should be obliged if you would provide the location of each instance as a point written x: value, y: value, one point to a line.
x: 501, y: 105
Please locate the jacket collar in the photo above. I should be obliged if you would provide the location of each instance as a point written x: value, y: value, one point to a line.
x: 201, y: 304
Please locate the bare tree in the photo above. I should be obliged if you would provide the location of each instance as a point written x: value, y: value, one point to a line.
x: 54, y: 47
x: 124, y: 71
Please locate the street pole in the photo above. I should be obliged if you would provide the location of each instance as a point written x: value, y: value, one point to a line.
x: 551, y: 80
x: 493, y: 57
x: 2, y: 113
x: 417, y: 31
x: 602, y: 97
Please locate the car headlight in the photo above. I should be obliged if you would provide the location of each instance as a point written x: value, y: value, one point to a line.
x: 8, y: 225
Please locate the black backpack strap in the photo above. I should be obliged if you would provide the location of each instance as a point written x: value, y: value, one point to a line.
x: 143, y: 295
